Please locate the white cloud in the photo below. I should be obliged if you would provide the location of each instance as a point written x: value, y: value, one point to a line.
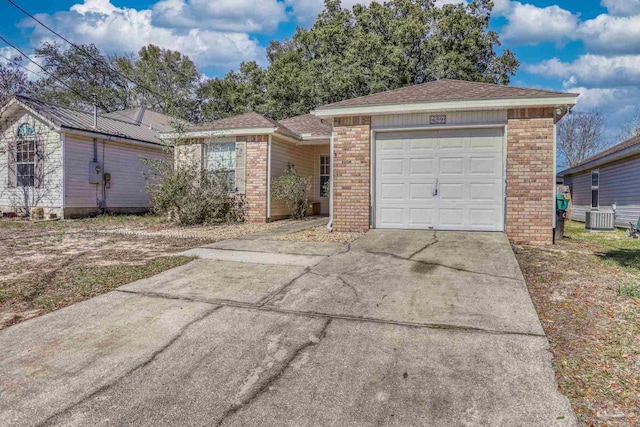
x: 529, y: 24
x: 611, y: 34
x: 226, y: 15
x: 115, y: 29
x: 622, y: 7
x: 593, y: 71
x: 32, y: 70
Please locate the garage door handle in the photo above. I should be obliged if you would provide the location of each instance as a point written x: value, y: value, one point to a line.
x: 435, y: 192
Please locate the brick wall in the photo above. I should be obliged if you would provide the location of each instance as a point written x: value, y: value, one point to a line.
x: 256, y: 181
x: 530, y: 176
x: 351, y: 172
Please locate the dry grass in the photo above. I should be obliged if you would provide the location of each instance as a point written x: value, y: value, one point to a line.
x: 320, y: 234
x: 586, y: 292
x: 52, y: 264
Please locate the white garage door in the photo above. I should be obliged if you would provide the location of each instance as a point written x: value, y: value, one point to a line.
x: 445, y: 180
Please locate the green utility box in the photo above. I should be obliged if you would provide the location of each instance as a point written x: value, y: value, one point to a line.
x: 562, y: 203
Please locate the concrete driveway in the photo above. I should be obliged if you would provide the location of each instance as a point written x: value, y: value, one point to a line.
x: 398, y: 328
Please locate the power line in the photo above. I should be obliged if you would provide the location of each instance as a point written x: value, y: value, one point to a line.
x: 88, y: 54
x: 81, y: 95
x: 11, y: 61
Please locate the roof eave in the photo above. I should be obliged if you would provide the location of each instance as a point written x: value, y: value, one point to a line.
x: 433, y: 106
x: 217, y: 133
x: 622, y: 154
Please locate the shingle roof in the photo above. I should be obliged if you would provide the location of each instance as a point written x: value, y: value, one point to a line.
x: 635, y: 141
x: 69, y: 118
x: 444, y: 90
x: 307, y: 125
x: 249, y: 120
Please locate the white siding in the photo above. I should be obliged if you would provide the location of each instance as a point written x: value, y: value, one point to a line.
x: 50, y: 196
x: 123, y: 161
x: 619, y: 184
x: 453, y: 118
x: 283, y: 153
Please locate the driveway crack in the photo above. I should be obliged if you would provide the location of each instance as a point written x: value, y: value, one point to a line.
x: 153, y: 357
x: 267, y: 299
x: 425, y: 247
x: 277, y: 375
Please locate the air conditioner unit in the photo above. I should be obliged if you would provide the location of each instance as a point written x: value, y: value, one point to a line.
x: 600, y: 221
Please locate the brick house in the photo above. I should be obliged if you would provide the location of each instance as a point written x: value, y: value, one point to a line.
x: 444, y: 155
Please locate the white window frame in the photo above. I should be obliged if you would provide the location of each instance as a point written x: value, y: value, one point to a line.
x: 230, y: 167
x: 595, y: 188
x: 325, y: 162
x: 30, y: 152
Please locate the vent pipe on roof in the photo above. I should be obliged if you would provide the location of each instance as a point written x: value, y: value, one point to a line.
x: 95, y: 116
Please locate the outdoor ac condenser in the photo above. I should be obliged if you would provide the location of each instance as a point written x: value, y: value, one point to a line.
x: 600, y: 220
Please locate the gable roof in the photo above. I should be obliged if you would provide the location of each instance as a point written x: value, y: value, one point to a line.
x: 250, y: 123
x: 445, y: 90
x: 619, y: 151
x: 308, y: 125
x: 65, y: 118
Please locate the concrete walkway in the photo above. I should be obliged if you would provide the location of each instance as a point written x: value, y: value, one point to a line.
x: 398, y: 328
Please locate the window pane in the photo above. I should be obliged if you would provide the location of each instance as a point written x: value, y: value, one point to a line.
x: 221, y: 156
x: 25, y: 175
x: 323, y: 181
x: 595, y: 179
x: 594, y: 198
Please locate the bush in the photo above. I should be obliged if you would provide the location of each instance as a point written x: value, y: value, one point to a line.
x: 293, y: 190
x: 189, y: 195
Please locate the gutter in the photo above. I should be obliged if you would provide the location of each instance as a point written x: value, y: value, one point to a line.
x: 627, y: 152
x: 269, y: 179
x: 331, y: 165
x: 109, y: 137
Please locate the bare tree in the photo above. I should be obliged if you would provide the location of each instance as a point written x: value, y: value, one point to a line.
x: 630, y: 128
x: 580, y: 137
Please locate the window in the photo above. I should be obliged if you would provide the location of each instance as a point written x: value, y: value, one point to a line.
x: 325, y: 174
x: 25, y: 163
x: 221, y: 158
x: 595, y: 189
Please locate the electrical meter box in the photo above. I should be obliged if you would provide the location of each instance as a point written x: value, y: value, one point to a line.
x: 95, y: 173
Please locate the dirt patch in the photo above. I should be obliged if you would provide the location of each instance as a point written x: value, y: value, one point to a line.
x: 320, y: 234
x: 52, y: 264
x: 583, y: 291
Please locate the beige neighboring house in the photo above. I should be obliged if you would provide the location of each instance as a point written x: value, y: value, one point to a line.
x: 73, y: 165
x: 257, y: 150
x: 444, y: 155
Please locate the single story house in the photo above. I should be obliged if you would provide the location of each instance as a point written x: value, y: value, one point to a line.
x: 73, y: 163
x: 609, y: 180
x: 444, y: 155
x: 256, y: 150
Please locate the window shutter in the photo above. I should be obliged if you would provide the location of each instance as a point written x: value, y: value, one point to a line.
x: 241, y: 169
x: 11, y: 163
x: 39, y: 164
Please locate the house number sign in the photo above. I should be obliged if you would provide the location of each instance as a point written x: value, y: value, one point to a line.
x: 438, y: 119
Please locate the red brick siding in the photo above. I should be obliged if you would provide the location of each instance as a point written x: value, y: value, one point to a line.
x: 351, y: 173
x: 530, y: 179
x: 256, y: 183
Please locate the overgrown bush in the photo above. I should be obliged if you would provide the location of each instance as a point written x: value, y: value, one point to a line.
x: 189, y: 195
x: 293, y: 190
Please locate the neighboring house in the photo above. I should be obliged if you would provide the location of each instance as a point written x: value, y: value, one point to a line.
x: 608, y: 181
x: 444, y: 155
x: 257, y: 150
x: 62, y: 160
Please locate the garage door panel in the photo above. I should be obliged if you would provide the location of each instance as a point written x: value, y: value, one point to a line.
x: 468, y: 167
x: 485, y: 165
x: 421, y: 166
x: 451, y: 166
x: 392, y: 167
x: 421, y: 191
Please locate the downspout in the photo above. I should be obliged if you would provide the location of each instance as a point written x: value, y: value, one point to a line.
x: 269, y: 179
x: 331, y: 166
x: 64, y: 178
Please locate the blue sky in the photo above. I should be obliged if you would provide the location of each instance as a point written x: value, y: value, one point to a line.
x: 587, y: 46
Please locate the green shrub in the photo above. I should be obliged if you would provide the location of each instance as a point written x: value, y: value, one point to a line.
x: 629, y: 289
x: 189, y: 195
x: 294, y: 190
